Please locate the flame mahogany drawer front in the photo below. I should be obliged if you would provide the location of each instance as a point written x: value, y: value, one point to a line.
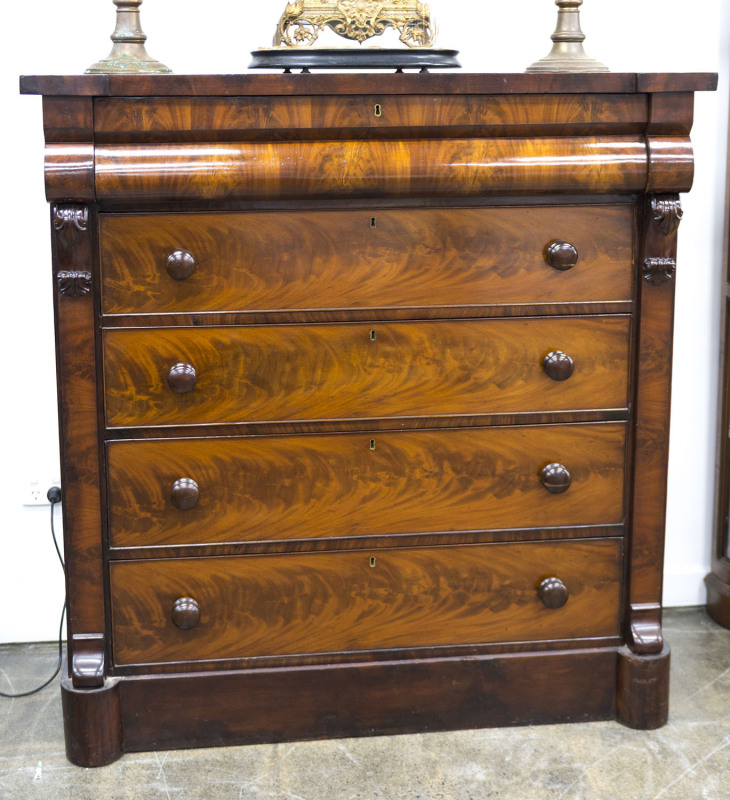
x: 372, y: 258
x: 186, y: 376
x: 307, y: 487
x: 185, y: 118
x: 315, y: 603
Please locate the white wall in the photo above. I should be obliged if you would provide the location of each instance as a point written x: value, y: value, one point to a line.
x: 50, y: 37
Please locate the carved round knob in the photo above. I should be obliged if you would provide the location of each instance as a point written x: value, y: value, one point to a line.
x: 561, y: 255
x: 555, y: 478
x: 185, y: 613
x: 180, y: 264
x: 182, y: 377
x: 558, y: 365
x: 553, y: 592
x: 185, y: 493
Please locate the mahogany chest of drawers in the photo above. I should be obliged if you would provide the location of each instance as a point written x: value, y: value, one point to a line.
x: 364, y: 399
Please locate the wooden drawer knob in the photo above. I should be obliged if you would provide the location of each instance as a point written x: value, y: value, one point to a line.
x: 182, y: 378
x: 553, y: 592
x: 561, y: 255
x: 180, y: 264
x: 185, y: 613
x: 185, y: 493
x: 555, y: 478
x: 558, y: 365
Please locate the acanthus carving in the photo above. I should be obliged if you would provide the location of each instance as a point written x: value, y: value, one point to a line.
x: 358, y: 20
x: 78, y: 216
x: 74, y: 283
x: 667, y: 212
x: 659, y: 270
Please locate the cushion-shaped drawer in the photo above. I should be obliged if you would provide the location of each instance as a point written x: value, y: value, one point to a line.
x: 194, y: 491
x: 181, y: 376
x: 315, y: 603
x: 397, y: 258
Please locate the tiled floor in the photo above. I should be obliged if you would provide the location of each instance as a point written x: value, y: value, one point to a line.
x: 688, y: 759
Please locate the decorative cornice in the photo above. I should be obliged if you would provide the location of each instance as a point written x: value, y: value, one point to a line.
x: 659, y: 270
x: 74, y: 283
x: 667, y: 211
x: 78, y: 216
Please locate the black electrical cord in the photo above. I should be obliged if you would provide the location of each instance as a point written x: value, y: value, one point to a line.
x: 54, y: 497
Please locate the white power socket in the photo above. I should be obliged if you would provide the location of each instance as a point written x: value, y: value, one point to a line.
x: 36, y: 492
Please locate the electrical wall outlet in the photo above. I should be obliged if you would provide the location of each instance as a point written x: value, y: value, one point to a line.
x: 36, y: 492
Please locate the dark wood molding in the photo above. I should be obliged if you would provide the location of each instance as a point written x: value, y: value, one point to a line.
x: 463, y: 83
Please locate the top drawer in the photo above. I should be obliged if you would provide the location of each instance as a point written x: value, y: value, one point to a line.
x: 404, y: 258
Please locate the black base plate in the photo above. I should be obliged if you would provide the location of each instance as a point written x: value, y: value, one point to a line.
x: 350, y: 58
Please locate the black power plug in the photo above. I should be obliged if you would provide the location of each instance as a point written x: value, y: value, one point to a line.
x: 54, y: 495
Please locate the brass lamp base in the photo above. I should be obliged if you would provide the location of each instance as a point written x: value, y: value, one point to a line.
x: 568, y: 54
x: 128, y: 54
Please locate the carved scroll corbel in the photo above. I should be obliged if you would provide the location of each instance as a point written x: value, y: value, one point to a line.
x: 78, y: 216
x: 88, y: 660
x: 646, y: 629
x: 667, y: 213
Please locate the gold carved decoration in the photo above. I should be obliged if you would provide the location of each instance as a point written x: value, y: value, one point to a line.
x: 357, y: 20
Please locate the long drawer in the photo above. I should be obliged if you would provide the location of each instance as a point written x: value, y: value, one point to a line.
x: 226, y: 608
x: 363, y: 259
x: 196, y: 491
x: 357, y: 371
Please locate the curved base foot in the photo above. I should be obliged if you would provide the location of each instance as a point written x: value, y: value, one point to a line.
x: 642, y: 690
x: 92, y: 722
x: 718, y: 600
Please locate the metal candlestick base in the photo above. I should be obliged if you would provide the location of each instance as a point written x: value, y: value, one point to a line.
x: 568, y: 54
x: 128, y: 53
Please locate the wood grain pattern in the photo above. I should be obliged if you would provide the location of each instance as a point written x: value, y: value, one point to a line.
x: 305, y: 487
x: 368, y: 258
x: 334, y: 117
x: 327, y: 602
x: 338, y: 371
x: 373, y: 168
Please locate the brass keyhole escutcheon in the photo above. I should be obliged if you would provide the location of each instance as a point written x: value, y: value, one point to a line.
x: 373, y: 222
x: 378, y: 110
x: 372, y: 444
x: 373, y: 336
x: 372, y: 561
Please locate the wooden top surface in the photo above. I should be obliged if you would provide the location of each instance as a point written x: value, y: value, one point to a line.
x: 357, y: 83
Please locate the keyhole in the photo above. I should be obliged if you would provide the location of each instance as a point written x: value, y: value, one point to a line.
x: 373, y: 222
x: 372, y: 336
x: 372, y: 444
x: 378, y: 110
x: 372, y: 561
